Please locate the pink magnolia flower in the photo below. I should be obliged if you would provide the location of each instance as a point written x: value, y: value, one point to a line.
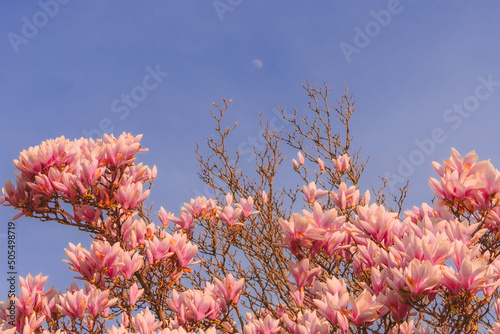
x: 465, y: 183
x: 408, y: 327
x: 333, y: 308
x: 157, y: 250
x: 98, y: 301
x: 312, y: 194
x: 301, y: 273
x: 328, y: 220
x: 229, y: 289
x: 301, y: 158
x: 456, y: 162
x: 34, y: 284
x: 130, y: 194
x: 298, y: 294
x: 134, y: 294
x: 101, y: 259
x: 73, y: 304
x: 115, y: 330
x: 90, y: 172
x: 141, y: 173
x: 176, y: 304
x: 106, y: 257
x: 307, y: 322
x: 185, y: 222
x: 464, y: 231
x: 86, y: 213
x: 194, y: 305
x: 41, y: 185
x: 27, y: 301
x: 246, y: 207
x: 132, y: 262
x: 345, y: 198
x: 422, y: 277
x: 395, y: 303
x: 264, y: 196
x: 145, y: 322
x: 120, y: 151
x: 365, y: 308
x: 268, y: 325
x: 231, y: 216
x: 165, y: 217
x: 184, y: 250
x: 14, y: 195
x: 201, y: 305
x: 78, y: 256
x: 472, y: 272
x: 300, y: 231
x: 376, y: 223
x: 32, y: 323
x: 134, y: 232
x: 200, y: 206
x: 435, y: 248
x: 372, y: 255
x: 417, y: 213
x: 332, y: 299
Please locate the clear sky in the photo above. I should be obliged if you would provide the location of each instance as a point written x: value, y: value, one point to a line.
x: 425, y: 76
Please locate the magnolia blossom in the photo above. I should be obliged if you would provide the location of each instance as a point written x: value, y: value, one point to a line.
x: 342, y: 163
x: 321, y: 165
x: 307, y: 322
x: 301, y: 158
x: 302, y: 274
x: 312, y: 194
x: 345, y: 198
x: 229, y: 289
x: 300, y: 231
x: 268, y: 325
x: 201, y: 206
x: 365, y: 308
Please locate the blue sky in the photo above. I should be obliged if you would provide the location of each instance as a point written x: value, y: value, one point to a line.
x: 68, y: 67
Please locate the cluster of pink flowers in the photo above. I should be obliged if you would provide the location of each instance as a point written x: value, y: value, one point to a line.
x: 342, y: 163
x: 197, y: 305
x: 395, y: 265
x: 104, y: 187
x: 35, y: 306
x: 428, y: 254
x: 202, y: 207
x: 89, y: 175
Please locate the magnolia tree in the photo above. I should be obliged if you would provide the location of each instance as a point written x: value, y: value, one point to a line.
x: 260, y: 257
